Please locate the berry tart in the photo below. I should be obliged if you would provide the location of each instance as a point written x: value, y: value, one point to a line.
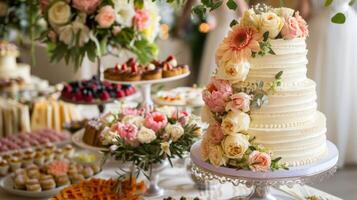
x: 171, y: 68
x: 94, y: 90
x: 128, y: 71
x: 151, y: 72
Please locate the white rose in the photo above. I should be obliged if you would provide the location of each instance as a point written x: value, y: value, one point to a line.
x: 284, y: 12
x: 107, y: 137
x: 272, y: 23
x: 133, y: 119
x: 175, y: 131
x: 207, y: 115
x: 124, y: 12
x: 233, y: 71
x: 146, y: 135
x: 249, y: 18
x: 83, y: 31
x: 216, y: 156
x: 235, y: 145
x: 235, y: 122
x: 3, y: 8
x: 59, y: 13
x: 66, y: 35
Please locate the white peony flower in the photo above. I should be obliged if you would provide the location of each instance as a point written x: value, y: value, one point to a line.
x: 249, y: 18
x: 235, y: 145
x: 66, y: 35
x: 146, y: 135
x: 83, y: 31
x: 207, y: 115
x: 284, y: 12
x: 272, y: 23
x: 216, y: 156
x: 175, y: 131
x: 233, y: 71
x: 125, y: 12
x: 107, y: 137
x: 59, y: 13
x: 153, y: 28
x: 133, y: 119
x: 235, y: 122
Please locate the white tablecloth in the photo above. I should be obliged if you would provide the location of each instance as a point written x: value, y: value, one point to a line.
x: 177, y: 183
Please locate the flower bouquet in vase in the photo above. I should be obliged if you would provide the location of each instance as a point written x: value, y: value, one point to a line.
x: 78, y: 28
x: 149, y: 140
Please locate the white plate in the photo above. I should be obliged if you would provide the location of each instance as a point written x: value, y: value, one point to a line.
x: 163, y: 80
x: 8, y: 185
x: 77, y: 139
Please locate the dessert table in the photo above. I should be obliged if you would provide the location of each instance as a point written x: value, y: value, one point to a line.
x: 177, y: 182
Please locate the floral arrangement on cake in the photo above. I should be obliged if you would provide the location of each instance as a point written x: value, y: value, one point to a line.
x: 149, y: 137
x: 88, y: 27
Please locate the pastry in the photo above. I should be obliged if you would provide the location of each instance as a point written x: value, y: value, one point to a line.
x: 184, y: 69
x: 170, y: 71
x: 92, y: 131
x: 49, y: 155
x: 27, y: 160
x: 87, y: 172
x: 28, y: 153
x: 96, y: 168
x: 77, y: 178
x: 33, y: 173
x: 128, y: 71
x: 151, y: 72
x: 68, y: 151
x: 4, y: 167
x: 59, y: 155
x: 133, y: 73
x: 18, y: 154
x: 39, y: 158
x: 47, y: 182
x: 33, y: 185
x: 15, y: 163
x: 20, y: 181
x: 62, y: 180
x: 20, y: 172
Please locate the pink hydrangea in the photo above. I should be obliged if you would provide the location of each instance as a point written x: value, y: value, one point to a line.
x: 87, y: 6
x: 291, y: 28
x: 181, y: 116
x: 259, y: 161
x: 215, y: 133
x: 217, y: 94
x: 141, y: 19
x: 155, y: 121
x: 302, y: 25
x: 105, y: 17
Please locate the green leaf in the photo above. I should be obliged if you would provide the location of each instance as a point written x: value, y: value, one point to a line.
x: 200, y: 11
x: 352, y: 2
x: 266, y: 36
x: 231, y: 4
x: 139, y: 4
x: 339, y: 18
x: 328, y: 3
x: 233, y: 23
x: 278, y: 75
x: 216, y: 5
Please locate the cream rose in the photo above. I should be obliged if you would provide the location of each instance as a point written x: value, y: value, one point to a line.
x: 259, y: 161
x: 133, y: 119
x: 204, y: 148
x: 284, y: 12
x: 83, y: 31
x: 207, y: 115
x: 272, y: 23
x: 66, y: 35
x: 240, y: 101
x: 249, y: 18
x: 59, y: 13
x: 107, y: 137
x: 233, y: 71
x: 235, y: 145
x: 235, y: 122
x: 146, y: 135
x: 175, y: 131
x: 216, y: 156
x: 105, y: 17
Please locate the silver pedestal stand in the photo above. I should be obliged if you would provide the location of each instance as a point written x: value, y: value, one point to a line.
x: 262, y: 182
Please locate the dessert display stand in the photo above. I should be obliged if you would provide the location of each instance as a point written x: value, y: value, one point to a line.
x: 146, y: 87
x: 263, y: 181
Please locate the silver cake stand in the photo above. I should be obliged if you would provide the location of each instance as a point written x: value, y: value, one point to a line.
x: 262, y: 182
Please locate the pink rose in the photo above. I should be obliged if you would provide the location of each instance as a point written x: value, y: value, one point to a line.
x: 128, y: 132
x: 141, y: 19
x: 155, y: 121
x: 215, y: 133
x: 291, y: 28
x: 181, y: 116
x: 302, y: 25
x: 217, y: 94
x: 259, y: 161
x: 240, y: 101
x: 87, y: 6
x: 105, y: 17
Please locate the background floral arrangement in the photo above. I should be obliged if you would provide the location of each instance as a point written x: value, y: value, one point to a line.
x: 145, y: 138
x: 90, y: 27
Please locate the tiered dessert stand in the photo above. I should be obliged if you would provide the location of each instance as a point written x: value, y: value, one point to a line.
x: 262, y: 182
x: 146, y: 86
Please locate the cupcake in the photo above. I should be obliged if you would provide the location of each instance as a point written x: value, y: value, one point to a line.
x: 20, y: 172
x: 29, y: 153
x: 72, y: 171
x: 50, y: 147
x: 15, y: 163
x: 87, y: 172
x: 49, y: 155
x: 77, y: 178
x: 47, y: 182
x: 27, y: 160
x: 151, y: 72
x: 18, y: 154
x: 39, y: 159
x: 4, y: 167
x: 33, y: 172
x: 20, y: 182
x: 59, y: 155
x: 6, y: 157
x: 68, y: 151
x: 62, y: 180
x: 33, y: 185
x: 96, y: 168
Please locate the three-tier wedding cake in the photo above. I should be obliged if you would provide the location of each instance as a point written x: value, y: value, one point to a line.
x: 260, y: 105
